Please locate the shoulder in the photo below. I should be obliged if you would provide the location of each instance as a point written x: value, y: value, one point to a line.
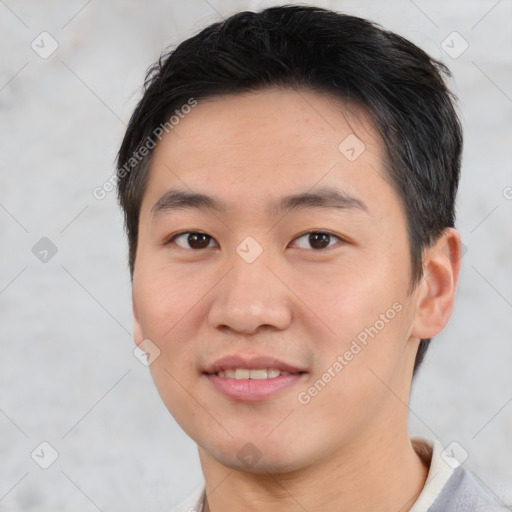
x: 464, y: 493
x: 449, y: 486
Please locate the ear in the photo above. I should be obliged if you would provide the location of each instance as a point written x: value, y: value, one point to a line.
x: 436, y: 291
x: 138, y: 335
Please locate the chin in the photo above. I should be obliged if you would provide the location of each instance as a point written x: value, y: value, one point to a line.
x: 259, y: 457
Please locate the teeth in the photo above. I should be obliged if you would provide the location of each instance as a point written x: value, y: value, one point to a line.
x: 255, y: 374
x: 244, y: 373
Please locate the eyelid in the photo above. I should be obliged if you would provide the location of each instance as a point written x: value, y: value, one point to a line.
x: 168, y: 240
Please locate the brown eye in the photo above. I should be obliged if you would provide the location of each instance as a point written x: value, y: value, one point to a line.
x: 318, y: 239
x: 193, y: 239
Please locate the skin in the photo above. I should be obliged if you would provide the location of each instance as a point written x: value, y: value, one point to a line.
x: 296, y: 302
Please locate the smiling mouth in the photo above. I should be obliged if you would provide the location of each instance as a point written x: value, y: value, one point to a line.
x: 250, y: 385
x: 256, y: 374
x: 249, y: 378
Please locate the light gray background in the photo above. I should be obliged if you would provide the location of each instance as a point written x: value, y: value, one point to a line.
x: 67, y: 372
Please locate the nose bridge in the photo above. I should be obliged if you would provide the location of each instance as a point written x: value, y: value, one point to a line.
x: 250, y: 295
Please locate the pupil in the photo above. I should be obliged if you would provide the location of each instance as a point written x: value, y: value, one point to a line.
x: 193, y: 237
x: 314, y: 237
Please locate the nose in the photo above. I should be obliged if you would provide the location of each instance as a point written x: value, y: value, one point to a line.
x: 250, y: 296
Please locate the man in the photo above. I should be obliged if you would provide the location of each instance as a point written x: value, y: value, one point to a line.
x: 288, y: 182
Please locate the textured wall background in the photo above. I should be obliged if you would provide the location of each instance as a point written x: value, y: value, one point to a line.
x: 67, y: 372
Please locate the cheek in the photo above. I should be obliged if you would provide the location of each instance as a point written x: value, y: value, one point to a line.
x: 351, y: 296
x: 164, y: 303
x: 166, y: 314
x: 166, y: 297
x: 366, y: 308
x: 357, y: 370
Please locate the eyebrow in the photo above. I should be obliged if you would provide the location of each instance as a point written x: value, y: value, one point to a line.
x: 326, y: 197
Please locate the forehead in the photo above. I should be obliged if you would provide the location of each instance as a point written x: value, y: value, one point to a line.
x: 253, y: 147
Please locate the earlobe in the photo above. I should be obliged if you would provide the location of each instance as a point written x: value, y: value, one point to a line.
x: 436, y: 292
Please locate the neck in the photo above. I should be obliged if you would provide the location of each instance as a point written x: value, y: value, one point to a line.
x: 380, y: 473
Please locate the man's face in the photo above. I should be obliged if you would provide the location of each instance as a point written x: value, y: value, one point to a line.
x: 319, y: 290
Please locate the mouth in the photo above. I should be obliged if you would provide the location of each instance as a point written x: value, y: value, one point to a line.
x: 252, y: 379
x: 255, y: 374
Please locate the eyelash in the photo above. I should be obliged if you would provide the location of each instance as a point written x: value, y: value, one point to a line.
x: 331, y: 235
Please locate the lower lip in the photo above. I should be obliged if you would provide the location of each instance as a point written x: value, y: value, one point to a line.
x: 251, y: 390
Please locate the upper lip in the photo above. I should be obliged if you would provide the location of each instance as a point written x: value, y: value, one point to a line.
x: 237, y: 361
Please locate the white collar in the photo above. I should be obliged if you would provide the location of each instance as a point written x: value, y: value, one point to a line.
x: 441, y: 469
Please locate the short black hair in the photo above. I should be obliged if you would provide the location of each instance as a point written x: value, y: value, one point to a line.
x: 351, y: 58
